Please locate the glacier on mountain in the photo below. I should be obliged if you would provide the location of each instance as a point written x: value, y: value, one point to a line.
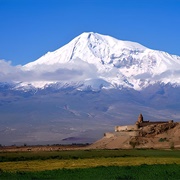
x: 118, y: 63
x: 100, y: 61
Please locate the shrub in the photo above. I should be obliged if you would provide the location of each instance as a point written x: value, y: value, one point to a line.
x: 163, y: 139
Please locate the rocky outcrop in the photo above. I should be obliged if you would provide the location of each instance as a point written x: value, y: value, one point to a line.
x: 154, y: 129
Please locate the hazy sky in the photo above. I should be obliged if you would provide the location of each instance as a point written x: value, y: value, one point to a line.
x: 30, y: 28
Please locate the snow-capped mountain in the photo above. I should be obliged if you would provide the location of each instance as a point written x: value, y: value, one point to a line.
x: 84, y: 89
x: 101, y: 61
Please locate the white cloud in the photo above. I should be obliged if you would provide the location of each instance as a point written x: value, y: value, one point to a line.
x: 57, y: 72
x: 8, y: 72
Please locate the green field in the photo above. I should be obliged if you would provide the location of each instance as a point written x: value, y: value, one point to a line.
x: 142, y: 172
x: 91, y: 164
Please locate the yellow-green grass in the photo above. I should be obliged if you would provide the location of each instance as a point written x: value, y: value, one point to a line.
x: 51, y: 164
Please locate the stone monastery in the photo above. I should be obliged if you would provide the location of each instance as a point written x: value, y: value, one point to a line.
x: 134, y: 130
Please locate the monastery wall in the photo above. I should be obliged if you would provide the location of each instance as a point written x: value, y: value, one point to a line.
x: 109, y: 135
x: 126, y: 128
x: 121, y: 133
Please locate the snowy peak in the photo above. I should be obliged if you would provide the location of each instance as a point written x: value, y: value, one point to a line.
x: 112, y: 42
x: 87, y: 46
x: 92, y: 57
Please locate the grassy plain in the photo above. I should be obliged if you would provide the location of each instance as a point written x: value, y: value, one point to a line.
x: 87, y: 163
x: 142, y: 172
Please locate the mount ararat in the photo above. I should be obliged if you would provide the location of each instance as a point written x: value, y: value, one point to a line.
x: 86, y: 87
x: 101, y: 61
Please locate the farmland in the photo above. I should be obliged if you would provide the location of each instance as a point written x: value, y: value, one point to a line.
x: 89, y: 164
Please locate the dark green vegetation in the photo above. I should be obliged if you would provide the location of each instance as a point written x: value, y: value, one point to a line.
x: 148, y: 172
x: 84, y: 154
x: 91, y: 164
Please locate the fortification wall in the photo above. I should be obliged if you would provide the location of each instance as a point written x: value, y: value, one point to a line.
x: 109, y: 135
x: 122, y: 133
x: 147, y: 123
x: 126, y: 128
x: 127, y: 133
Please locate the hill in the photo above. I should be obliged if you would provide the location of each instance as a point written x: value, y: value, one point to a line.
x: 156, y: 135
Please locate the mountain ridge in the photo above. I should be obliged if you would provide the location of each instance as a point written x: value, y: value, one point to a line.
x: 96, y: 61
x: 116, y: 62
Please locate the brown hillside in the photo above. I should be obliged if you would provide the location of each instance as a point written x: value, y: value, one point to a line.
x: 162, y: 135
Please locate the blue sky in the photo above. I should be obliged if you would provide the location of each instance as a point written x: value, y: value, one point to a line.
x: 30, y: 28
